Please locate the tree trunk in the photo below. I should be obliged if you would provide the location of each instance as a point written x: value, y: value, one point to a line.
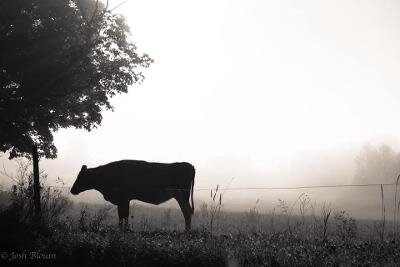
x: 36, y: 182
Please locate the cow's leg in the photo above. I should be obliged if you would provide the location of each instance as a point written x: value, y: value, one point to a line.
x: 123, y: 213
x: 120, y: 215
x: 187, y: 212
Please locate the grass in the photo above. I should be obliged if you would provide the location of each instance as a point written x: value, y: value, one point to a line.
x: 293, y: 234
x: 88, y: 235
x: 110, y: 247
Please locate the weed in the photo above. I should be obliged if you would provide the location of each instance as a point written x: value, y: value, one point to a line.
x: 396, y: 207
x: 346, y: 226
x: 215, y: 207
x: 321, y: 222
x: 253, y: 218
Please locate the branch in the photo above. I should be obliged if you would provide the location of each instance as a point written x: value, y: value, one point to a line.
x: 94, y: 11
x: 5, y: 173
x: 81, y: 10
x: 117, y: 6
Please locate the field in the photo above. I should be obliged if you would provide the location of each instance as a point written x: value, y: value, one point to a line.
x: 291, y: 234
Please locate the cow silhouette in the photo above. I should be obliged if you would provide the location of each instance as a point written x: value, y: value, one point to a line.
x: 154, y: 183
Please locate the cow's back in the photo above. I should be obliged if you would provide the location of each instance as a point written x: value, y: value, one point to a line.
x: 142, y: 175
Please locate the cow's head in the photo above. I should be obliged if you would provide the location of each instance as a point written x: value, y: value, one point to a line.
x: 83, y: 181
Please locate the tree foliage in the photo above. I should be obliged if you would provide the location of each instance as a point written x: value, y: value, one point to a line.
x: 377, y: 165
x: 60, y: 63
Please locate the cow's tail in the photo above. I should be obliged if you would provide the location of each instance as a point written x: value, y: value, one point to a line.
x: 194, y: 174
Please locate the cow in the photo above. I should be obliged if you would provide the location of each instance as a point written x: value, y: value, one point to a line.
x: 150, y: 182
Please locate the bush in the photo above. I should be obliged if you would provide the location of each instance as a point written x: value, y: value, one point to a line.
x: 346, y: 226
x: 17, y: 220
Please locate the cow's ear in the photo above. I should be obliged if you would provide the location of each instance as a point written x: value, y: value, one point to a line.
x: 84, y: 168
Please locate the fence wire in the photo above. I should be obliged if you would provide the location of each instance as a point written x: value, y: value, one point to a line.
x: 263, y: 188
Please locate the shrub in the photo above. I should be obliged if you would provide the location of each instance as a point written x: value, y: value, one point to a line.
x: 346, y: 226
x: 17, y: 219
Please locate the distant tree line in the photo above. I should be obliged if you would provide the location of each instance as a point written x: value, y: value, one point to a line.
x: 377, y: 165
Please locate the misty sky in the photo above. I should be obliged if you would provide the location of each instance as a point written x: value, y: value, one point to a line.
x: 245, y: 88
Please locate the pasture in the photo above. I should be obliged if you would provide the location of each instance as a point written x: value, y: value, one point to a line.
x: 87, y: 234
x: 291, y: 106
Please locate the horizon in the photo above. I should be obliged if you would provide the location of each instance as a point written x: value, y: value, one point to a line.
x: 267, y: 93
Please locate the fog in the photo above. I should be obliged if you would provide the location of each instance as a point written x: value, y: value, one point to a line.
x: 253, y: 94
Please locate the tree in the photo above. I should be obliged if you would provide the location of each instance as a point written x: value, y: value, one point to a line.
x: 377, y: 165
x: 60, y: 63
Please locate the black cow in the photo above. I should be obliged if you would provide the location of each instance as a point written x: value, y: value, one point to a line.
x: 154, y: 183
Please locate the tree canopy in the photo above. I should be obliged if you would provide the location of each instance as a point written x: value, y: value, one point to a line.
x: 60, y: 63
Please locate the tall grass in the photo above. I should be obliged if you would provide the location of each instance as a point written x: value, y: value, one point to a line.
x: 215, y: 207
x: 253, y: 218
x: 396, y: 207
x: 53, y: 201
x: 380, y: 227
x: 88, y: 238
x: 321, y: 222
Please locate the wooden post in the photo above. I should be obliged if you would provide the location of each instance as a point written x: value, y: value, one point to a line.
x: 36, y: 182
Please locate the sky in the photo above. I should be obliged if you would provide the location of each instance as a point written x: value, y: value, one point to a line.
x: 249, y: 89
